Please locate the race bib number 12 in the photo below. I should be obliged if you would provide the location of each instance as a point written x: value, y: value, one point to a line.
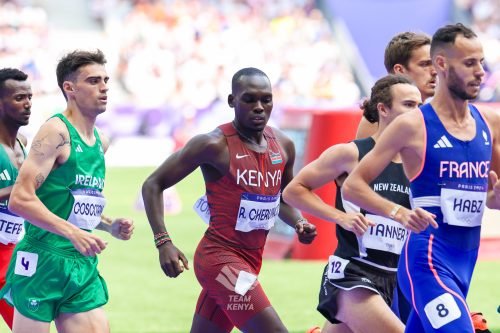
x: 336, y: 267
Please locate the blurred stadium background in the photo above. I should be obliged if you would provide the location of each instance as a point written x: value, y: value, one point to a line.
x: 171, y: 62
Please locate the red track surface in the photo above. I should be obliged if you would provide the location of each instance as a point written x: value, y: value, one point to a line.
x: 489, y: 249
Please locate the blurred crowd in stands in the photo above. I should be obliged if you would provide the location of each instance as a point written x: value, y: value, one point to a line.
x: 171, y: 61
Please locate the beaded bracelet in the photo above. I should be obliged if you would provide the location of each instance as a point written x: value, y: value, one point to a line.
x: 161, y: 238
x: 162, y: 241
x: 161, y: 235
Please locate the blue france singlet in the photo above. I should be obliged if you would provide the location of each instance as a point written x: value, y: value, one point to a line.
x: 454, y: 180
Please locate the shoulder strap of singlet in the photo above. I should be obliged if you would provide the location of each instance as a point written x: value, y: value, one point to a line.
x: 364, y: 146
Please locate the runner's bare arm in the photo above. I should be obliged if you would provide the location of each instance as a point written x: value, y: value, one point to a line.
x: 201, y: 149
x: 206, y: 149
x: 50, y: 144
x: 51, y: 147
x: 121, y: 228
x: 335, y: 162
x: 401, y: 136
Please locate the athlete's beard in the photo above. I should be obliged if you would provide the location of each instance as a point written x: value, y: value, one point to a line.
x: 456, y: 86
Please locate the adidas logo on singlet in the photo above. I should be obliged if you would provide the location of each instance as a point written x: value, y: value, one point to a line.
x: 79, y: 149
x: 4, y: 175
x: 443, y: 142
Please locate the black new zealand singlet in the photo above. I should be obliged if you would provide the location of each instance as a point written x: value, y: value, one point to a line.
x: 381, y: 244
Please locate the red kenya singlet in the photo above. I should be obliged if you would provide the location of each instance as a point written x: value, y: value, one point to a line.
x: 245, y: 202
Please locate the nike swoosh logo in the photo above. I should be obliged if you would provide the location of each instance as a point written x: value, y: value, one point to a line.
x: 238, y: 156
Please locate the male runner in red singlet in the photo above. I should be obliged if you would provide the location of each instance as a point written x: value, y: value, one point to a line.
x: 245, y: 165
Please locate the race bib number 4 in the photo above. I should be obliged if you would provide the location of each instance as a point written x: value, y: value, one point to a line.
x: 463, y: 204
x: 26, y: 263
x: 257, y: 211
x: 87, y: 208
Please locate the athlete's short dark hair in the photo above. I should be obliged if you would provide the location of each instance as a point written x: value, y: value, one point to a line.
x: 248, y: 71
x: 70, y: 63
x: 401, y: 47
x: 447, y: 35
x: 381, y: 93
x: 11, y: 74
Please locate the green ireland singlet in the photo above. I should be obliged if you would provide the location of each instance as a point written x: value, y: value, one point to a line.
x: 73, y: 190
x: 47, y: 275
x: 11, y: 225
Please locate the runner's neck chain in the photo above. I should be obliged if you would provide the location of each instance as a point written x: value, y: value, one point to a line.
x: 246, y: 138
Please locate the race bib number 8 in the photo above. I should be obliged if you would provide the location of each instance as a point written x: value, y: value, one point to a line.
x: 463, y: 204
x: 442, y: 310
x: 257, y: 211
